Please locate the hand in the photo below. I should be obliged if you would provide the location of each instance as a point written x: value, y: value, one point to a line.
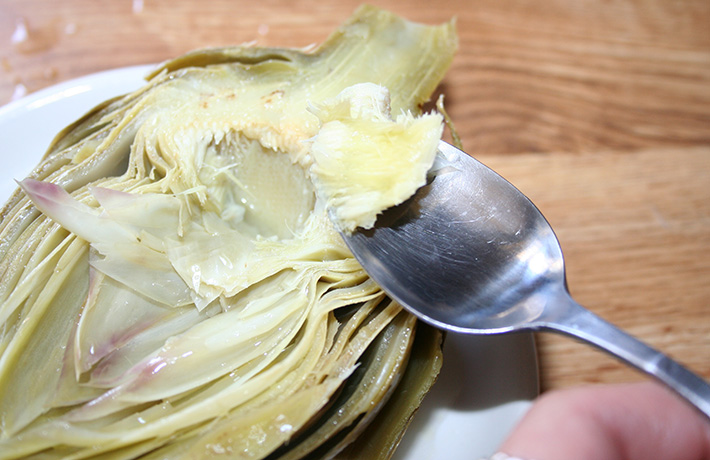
x: 639, y: 421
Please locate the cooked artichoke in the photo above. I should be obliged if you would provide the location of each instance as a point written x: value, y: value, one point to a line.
x: 172, y: 286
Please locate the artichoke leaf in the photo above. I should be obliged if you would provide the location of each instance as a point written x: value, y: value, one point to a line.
x: 35, y: 344
x: 350, y: 417
x: 119, y: 327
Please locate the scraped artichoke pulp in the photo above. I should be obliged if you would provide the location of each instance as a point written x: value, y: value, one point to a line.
x: 172, y: 285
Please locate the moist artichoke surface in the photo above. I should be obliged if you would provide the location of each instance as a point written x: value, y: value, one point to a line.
x: 171, y: 285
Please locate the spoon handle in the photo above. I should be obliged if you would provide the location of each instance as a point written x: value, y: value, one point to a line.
x: 572, y: 319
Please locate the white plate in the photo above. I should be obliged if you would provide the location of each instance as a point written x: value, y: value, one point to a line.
x: 486, y: 383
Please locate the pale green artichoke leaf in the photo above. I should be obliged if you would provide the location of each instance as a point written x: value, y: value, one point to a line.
x: 119, y: 327
x: 80, y: 219
x: 361, y: 398
x: 208, y: 350
x: 382, y: 436
x: 38, y: 347
x: 152, y: 212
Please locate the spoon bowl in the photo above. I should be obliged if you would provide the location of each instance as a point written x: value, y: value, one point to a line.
x: 470, y: 253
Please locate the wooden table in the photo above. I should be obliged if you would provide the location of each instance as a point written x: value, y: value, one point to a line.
x: 599, y: 110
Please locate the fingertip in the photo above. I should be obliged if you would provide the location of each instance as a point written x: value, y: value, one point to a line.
x: 623, y: 421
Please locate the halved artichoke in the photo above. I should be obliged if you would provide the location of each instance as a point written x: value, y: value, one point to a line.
x: 171, y: 284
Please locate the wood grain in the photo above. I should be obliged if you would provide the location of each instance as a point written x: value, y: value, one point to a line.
x: 635, y: 250
x: 598, y: 110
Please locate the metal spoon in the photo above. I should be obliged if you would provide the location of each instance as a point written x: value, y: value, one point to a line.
x: 470, y: 253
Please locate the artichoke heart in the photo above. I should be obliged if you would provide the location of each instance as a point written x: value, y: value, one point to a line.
x: 172, y: 285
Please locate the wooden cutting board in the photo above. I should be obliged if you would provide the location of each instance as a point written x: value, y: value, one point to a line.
x: 599, y: 110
